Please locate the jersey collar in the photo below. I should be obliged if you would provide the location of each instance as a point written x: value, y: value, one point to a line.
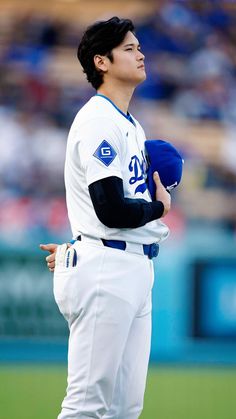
x: 127, y: 116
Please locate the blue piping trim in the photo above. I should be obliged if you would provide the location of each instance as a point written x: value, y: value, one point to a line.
x: 128, y: 116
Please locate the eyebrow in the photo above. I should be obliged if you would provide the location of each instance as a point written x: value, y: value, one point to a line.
x: 131, y: 45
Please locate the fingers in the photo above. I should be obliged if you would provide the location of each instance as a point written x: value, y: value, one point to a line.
x: 51, y: 269
x: 50, y: 247
x: 50, y: 259
x: 156, y: 178
x: 51, y: 262
x: 161, y: 193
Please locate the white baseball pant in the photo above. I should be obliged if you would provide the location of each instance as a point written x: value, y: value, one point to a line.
x: 106, y: 299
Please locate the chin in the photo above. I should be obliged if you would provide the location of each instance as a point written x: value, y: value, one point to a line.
x: 141, y: 78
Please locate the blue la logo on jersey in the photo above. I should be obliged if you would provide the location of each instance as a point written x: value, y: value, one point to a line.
x: 105, y: 153
x: 138, y: 168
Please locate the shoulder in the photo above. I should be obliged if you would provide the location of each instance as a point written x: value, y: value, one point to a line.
x: 95, y: 113
x: 95, y: 108
x: 95, y: 119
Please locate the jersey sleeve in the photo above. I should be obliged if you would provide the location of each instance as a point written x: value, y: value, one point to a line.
x: 100, y: 149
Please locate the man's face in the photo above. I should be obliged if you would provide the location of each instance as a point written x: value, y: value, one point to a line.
x: 128, y: 62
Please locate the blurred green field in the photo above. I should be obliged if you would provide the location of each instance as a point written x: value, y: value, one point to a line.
x: 35, y: 392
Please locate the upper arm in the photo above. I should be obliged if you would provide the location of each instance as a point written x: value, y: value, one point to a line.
x: 100, y: 150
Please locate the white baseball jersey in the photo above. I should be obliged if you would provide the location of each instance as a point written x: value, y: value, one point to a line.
x: 104, y: 142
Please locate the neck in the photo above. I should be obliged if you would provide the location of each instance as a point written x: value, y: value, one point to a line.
x: 120, y: 96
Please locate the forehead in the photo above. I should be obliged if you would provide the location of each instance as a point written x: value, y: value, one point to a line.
x: 129, y: 38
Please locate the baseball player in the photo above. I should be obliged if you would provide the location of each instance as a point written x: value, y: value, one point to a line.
x: 103, y: 281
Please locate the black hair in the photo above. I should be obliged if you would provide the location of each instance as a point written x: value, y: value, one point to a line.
x: 101, y: 38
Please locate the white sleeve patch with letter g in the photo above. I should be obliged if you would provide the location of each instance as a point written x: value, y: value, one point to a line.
x: 105, y: 153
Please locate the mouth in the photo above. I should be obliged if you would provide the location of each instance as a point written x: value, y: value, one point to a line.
x: 142, y: 67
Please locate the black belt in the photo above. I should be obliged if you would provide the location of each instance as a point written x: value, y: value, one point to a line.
x: 150, y: 250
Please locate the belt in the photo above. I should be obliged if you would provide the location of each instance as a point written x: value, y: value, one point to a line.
x: 150, y: 250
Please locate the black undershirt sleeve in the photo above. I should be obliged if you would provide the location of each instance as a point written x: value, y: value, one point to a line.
x: 116, y: 211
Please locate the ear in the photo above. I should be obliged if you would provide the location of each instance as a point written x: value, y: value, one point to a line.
x: 100, y: 62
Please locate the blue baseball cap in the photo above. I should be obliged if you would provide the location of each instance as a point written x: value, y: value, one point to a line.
x: 166, y: 160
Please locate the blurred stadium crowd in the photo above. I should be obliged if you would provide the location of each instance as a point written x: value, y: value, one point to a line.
x: 189, y: 98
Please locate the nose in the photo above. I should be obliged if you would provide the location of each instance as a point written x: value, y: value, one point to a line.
x: 140, y: 56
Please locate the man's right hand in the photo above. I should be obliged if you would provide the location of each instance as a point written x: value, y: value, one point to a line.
x: 50, y: 259
x: 162, y: 194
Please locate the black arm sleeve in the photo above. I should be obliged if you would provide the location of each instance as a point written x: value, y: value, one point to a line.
x: 116, y: 211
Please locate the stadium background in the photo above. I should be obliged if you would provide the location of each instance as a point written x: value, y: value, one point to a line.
x: 189, y: 98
